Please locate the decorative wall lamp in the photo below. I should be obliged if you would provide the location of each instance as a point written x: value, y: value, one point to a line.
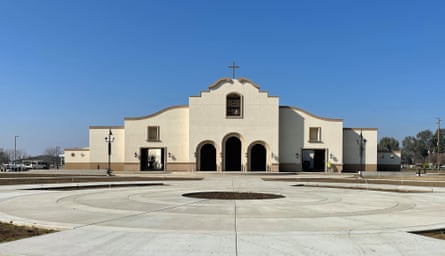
x: 297, y: 155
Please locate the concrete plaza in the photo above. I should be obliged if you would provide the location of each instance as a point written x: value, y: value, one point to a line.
x: 158, y: 220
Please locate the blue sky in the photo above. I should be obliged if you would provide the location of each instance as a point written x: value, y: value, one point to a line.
x: 67, y: 65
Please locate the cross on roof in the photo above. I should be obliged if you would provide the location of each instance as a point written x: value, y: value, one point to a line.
x: 233, y: 67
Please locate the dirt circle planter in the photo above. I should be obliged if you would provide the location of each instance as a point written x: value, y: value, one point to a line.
x: 230, y: 195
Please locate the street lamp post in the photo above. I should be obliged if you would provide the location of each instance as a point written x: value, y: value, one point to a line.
x: 438, y: 143
x: 109, y: 139
x: 361, y: 143
x: 15, y: 152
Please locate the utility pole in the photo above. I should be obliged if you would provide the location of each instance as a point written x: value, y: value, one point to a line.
x: 15, y: 152
x: 438, y: 143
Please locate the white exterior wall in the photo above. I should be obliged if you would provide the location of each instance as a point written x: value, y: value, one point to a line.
x: 351, y: 147
x: 174, y: 134
x: 259, y: 122
x: 294, y: 136
x: 75, y: 156
x: 99, y: 147
x: 284, y: 131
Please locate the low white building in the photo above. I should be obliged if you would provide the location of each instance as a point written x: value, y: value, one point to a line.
x: 233, y: 126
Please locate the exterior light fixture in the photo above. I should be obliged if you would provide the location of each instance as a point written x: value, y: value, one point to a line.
x: 109, y: 139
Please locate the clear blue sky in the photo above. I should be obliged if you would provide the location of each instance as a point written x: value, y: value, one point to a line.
x: 67, y: 65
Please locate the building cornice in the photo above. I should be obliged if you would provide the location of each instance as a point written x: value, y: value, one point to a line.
x: 312, y: 115
x: 363, y: 129
x: 224, y: 80
x: 244, y: 80
x: 76, y: 149
x: 219, y: 82
x: 106, y: 127
x: 155, y: 114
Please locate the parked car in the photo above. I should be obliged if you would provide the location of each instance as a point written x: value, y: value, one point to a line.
x: 35, y: 164
x: 15, y: 167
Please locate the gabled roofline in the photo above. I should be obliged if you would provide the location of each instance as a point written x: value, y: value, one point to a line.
x: 219, y: 82
x: 155, y: 114
x: 223, y: 80
x: 244, y: 80
x: 312, y: 115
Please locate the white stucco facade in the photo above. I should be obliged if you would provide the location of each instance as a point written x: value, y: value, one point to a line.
x: 232, y: 126
x: 295, y: 141
x: 351, y: 149
x: 258, y: 121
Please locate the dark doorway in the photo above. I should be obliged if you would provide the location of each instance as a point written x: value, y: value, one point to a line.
x: 207, y: 158
x: 232, y: 156
x: 314, y: 160
x: 258, y: 158
x: 152, y: 159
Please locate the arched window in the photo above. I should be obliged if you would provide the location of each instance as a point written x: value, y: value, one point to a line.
x: 234, y: 105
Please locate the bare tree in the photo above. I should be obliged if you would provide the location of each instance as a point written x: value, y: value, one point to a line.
x: 4, y: 157
x: 54, y: 153
x: 19, y: 154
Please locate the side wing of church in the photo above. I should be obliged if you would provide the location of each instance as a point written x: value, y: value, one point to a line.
x: 231, y: 127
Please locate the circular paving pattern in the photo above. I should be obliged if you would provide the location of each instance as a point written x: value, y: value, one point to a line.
x: 159, y: 220
x: 177, y: 206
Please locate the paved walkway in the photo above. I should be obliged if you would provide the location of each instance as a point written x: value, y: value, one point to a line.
x: 157, y: 220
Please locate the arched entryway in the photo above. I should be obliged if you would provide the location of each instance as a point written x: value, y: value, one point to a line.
x: 232, y: 154
x: 258, y: 158
x: 207, y: 158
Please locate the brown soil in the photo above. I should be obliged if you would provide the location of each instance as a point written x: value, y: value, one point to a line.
x: 439, y: 234
x: 424, y: 181
x: 228, y: 195
x: 10, y: 232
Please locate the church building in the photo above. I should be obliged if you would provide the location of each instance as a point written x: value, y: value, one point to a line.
x: 233, y: 126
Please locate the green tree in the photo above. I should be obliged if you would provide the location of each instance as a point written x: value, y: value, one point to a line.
x: 418, y: 149
x: 424, y: 145
x: 409, y: 150
x: 388, y: 144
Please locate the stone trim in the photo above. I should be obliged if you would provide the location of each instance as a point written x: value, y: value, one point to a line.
x: 181, y: 167
x: 289, y: 167
x: 356, y: 167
